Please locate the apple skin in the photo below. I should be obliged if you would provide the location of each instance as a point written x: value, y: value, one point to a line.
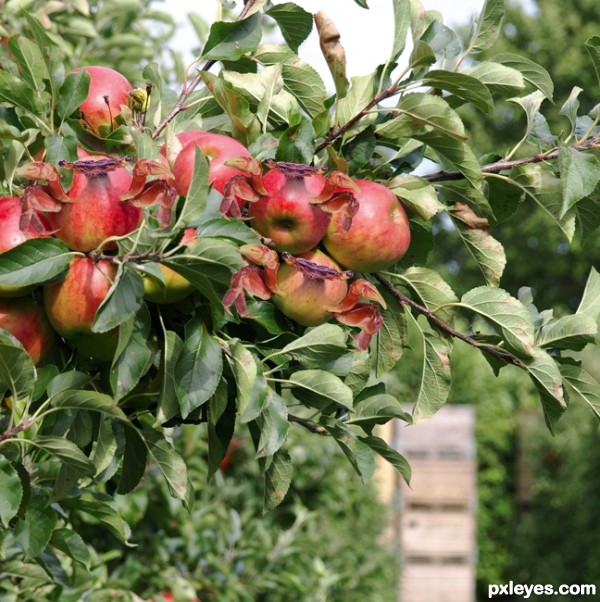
x: 379, y: 235
x: 176, y: 287
x: 286, y: 215
x: 96, y: 211
x: 218, y: 148
x: 26, y: 320
x: 307, y: 300
x: 12, y: 236
x: 104, y: 82
x: 71, y: 306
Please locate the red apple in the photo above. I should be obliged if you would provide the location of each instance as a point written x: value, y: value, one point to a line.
x: 95, y: 211
x: 107, y: 93
x: 286, y: 215
x: 379, y: 235
x: 218, y: 148
x: 71, y: 306
x: 25, y: 319
x: 11, y: 235
x: 308, y: 300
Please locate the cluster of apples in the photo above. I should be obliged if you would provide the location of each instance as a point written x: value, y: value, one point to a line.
x: 317, y: 230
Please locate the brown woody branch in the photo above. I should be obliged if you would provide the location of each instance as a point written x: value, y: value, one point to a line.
x: 180, y: 105
x: 499, y: 354
x: 313, y: 427
x: 15, y: 430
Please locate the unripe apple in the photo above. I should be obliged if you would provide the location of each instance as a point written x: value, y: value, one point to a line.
x: 107, y: 93
x: 71, y: 306
x: 218, y: 149
x: 26, y: 320
x: 308, y: 300
x: 11, y: 236
x: 379, y: 235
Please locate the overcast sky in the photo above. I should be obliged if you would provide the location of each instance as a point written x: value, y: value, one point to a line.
x: 365, y: 34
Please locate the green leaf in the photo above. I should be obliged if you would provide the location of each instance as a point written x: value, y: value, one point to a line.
x: 273, y: 425
x: 134, y: 355
x: 498, y: 78
x: 531, y: 105
x: 199, y: 367
x: 590, y: 299
x: 212, y: 258
x: 278, y: 478
x: 12, y: 492
x: 320, y: 389
x: 297, y: 143
x: 170, y: 464
x: 580, y: 174
x: 231, y: 41
x: 510, y: 316
x: 220, y: 420
x: 30, y: 60
x: 71, y: 543
x: 402, y: 21
x: 418, y: 195
x: 88, y: 400
x: 423, y: 113
x: 392, y: 338
x: 195, y: 201
x: 317, y: 346
x: 532, y: 72
x: 168, y: 404
x: 123, y: 300
x: 580, y: 384
x: 17, y: 371
x: 571, y: 107
x: 545, y: 374
x: 592, y: 45
x: 361, y: 93
x: 488, y: 25
x: 572, y: 332
x: 105, y: 514
x: 301, y: 80
x: 374, y: 410
x: 33, y: 532
x: 485, y: 249
x: 294, y: 23
x: 72, y: 93
x: 34, y: 262
x: 134, y: 461
x: 250, y: 382
x: 431, y: 290
x: 67, y: 452
x: 435, y: 379
x: 397, y: 460
x: 462, y: 86
x: 230, y: 229
x: 358, y: 453
x: 16, y: 92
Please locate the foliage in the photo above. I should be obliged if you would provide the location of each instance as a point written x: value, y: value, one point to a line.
x: 225, y: 549
x: 77, y: 433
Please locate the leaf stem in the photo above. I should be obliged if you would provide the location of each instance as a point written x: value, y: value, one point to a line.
x: 313, y: 427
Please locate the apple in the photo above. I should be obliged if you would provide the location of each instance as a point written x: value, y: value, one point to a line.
x: 218, y: 148
x: 107, y: 93
x: 379, y: 235
x: 26, y: 320
x: 95, y: 210
x: 11, y: 236
x: 286, y: 215
x: 71, y: 306
x: 308, y: 300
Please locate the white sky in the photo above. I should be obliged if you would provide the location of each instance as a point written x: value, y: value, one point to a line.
x: 365, y: 34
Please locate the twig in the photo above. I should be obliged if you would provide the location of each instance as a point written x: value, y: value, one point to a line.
x: 189, y: 88
x: 313, y: 427
x: 22, y: 426
x: 503, y: 356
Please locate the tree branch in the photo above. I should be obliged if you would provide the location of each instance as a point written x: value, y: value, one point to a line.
x: 313, y: 427
x: 14, y: 430
x: 189, y: 88
x: 503, y: 356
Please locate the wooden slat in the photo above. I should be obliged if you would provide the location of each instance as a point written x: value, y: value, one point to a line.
x: 438, y: 534
x: 437, y: 583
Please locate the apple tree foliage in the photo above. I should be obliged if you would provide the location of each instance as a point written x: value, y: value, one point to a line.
x: 74, y: 432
